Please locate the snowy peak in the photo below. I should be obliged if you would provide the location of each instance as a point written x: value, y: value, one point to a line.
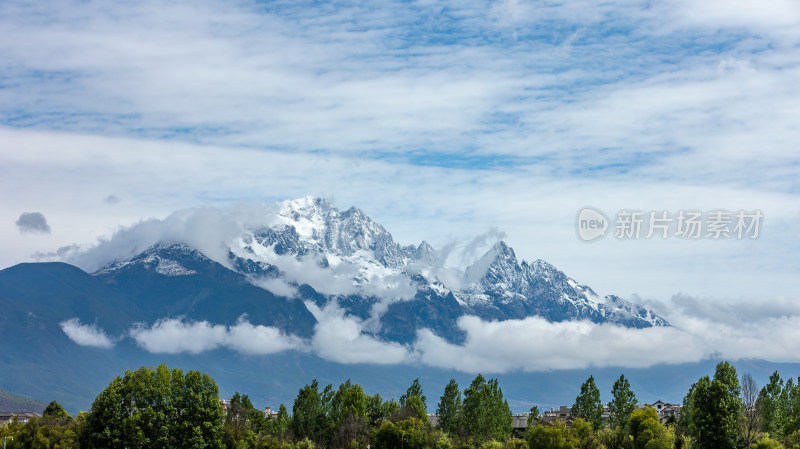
x: 322, y: 228
x: 424, y: 253
x: 499, y: 263
x: 501, y: 287
x: 165, y: 259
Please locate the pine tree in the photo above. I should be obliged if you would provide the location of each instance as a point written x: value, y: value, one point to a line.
x: 449, y: 410
x: 623, y: 403
x: 587, y: 405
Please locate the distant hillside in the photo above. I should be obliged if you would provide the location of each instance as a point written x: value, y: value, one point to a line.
x: 13, y: 403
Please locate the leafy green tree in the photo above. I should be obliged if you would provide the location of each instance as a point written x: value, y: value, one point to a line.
x: 585, y: 435
x: 792, y: 440
x: 622, y: 404
x: 647, y: 432
x: 413, y: 404
x: 282, y: 422
x: 414, y: 390
x: 157, y: 408
x: 347, y: 415
x: 52, y: 430
x: 379, y: 410
x: 553, y: 436
x: 767, y: 443
x: 792, y: 423
x: 54, y: 410
x: 348, y: 400
x: 243, y: 421
x: 309, y: 412
x: 714, y: 411
x: 449, y: 409
x: 486, y: 414
x: 407, y: 434
x: 587, y: 404
x: 773, y: 406
x: 534, y: 418
x: 515, y: 443
x: 415, y: 408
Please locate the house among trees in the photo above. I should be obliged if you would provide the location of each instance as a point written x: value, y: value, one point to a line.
x: 22, y: 417
x: 563, y: 414
x: 269, y: 414
x: 666, y: 412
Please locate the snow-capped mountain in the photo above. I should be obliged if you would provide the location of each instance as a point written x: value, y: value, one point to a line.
x: 282, y: 294
x: 314, y: 252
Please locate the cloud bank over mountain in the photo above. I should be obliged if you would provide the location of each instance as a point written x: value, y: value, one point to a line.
x: 530, y: 345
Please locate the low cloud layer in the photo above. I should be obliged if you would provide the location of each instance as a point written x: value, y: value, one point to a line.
x: 702, y: 328
x: 534, y: 344
x: 531, y: 344
x: 33, y: 222
x: 172, y: 336
x: 86, y: 335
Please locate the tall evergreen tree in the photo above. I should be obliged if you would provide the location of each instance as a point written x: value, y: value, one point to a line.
x: 449, y: 409
x: 622, y: 404
x: 309, y: 412
x: 792, y: 423
x: 772, y: 404
x: 534, y: 418
x: 414, y: 390
x: 587, y: 404
x: 414, y: 403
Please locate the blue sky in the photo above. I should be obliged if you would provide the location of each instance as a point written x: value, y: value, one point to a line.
x: 440, y: 120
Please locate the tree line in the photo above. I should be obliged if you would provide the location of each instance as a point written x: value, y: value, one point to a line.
x: 163, y: 408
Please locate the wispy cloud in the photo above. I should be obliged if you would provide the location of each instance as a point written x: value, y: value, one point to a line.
x: 86, y: 334
x: 620, y: 84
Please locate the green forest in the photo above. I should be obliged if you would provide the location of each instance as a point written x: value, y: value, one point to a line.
x: 163, y: 408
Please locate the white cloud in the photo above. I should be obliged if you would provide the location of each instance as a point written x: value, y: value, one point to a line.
x: 86, y: 334
x: 534, y: 344
x: 259, y: 340
x: 173, y: 336
x: 340, y: 339
x: 729, y: 329
x: 337, y: 338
